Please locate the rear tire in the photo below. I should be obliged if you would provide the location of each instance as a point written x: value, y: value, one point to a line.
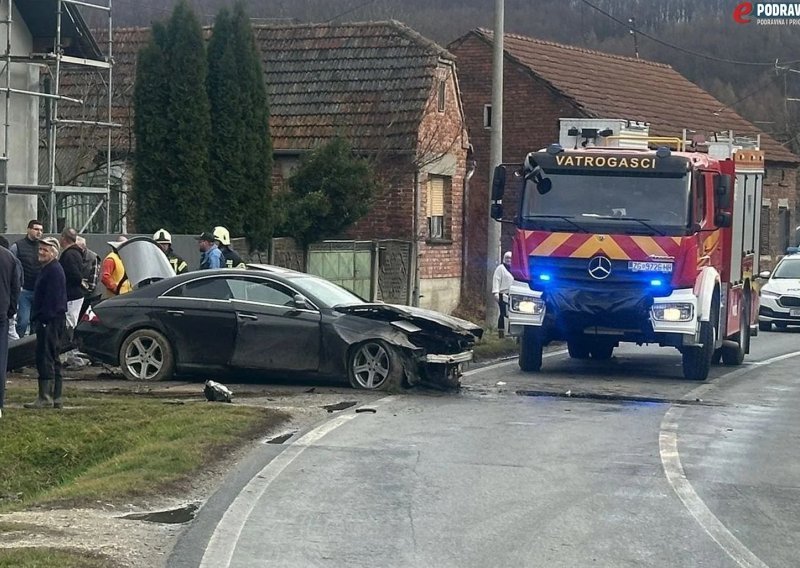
x: 146, y: 355
x: 765, y: 326
x: 578, y: 349
x: 530, y: 350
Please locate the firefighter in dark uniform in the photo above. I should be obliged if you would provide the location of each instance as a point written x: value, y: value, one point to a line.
x: 164, y: 240
x: 232, y: 258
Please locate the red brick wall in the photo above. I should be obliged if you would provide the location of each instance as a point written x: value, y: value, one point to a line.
x: 531, y: 110
x: 780, y: 183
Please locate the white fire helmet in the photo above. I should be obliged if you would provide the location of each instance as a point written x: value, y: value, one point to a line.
x: 162, y: 236
x: 222, y: 235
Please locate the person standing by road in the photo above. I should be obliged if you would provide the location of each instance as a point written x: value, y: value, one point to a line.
x: 71, y: 261
x: 501, y: 284
x: 232, y: 258
x: 10, y: 283
x: 91, y: 276
x: 210, y: 255
x: 113, y: 275
x: 48, y: 314
x: 26, y: 250
x: 164, y: 240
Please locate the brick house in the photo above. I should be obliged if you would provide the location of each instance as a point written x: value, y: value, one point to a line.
x: 545, y: 81
x: 395, y: 96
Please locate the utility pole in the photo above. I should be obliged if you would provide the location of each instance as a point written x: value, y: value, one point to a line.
x: 494, y: 228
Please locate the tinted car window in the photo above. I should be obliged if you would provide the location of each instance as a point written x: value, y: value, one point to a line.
x: 206, y: 288
x: 262, y: 292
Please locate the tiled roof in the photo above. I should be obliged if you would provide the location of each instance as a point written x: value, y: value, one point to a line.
x: 612, y: 86
x: 368, y: 82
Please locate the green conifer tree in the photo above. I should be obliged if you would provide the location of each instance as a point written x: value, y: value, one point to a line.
x: 240, y: 148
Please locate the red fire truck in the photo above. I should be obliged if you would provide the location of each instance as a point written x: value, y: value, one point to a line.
x: 623, y: 237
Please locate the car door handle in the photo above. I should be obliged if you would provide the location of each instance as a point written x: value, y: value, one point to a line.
x: 175, y: 312
x: 247, y: 316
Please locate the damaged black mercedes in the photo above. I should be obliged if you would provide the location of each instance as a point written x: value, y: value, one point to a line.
x: 277, y: 322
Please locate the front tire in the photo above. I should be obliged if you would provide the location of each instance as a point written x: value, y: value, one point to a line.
x: 578, y: 349
x: 374, y: 365
x: 530, y: 350
x: 146, y: 355
x: 735, y: 355
x: 697, y: 360
x: 602, y: 350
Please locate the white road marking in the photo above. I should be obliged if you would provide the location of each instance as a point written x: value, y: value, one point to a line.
x: 676, y: 476
x: 509, y: 362
x: 223, y: 541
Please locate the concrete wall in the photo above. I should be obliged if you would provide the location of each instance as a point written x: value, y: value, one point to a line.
x: 23, y: 138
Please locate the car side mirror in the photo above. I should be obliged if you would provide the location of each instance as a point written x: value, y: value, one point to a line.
x: 498, y: 183
x: 722, y: 190
x: 765, y: 274
x: 497, y: 211
x: 300, y: 302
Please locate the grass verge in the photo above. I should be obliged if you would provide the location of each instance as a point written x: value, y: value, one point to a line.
x: 49, y: 557
x: 110, y: 448
x: 492, y: 347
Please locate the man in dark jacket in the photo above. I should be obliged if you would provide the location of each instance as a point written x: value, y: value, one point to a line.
x: 26, y: 250
x: 49, y: 321
x: 71, y: 260
x: 9, y: 297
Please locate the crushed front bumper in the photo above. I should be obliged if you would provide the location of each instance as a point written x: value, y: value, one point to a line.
x: 462, y: 357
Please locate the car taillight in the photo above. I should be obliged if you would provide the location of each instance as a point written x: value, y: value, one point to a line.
x: 89, y: 316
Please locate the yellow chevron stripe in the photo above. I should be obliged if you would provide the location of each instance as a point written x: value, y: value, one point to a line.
x: 551, y: 243
x: 594, y: 246
x: 649, y: 246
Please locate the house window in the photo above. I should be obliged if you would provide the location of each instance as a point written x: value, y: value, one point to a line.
x: 784, y: 223
x: 442, y: 95
x: 437, y: 198
x: 764, y: 239
x: 487, y: 116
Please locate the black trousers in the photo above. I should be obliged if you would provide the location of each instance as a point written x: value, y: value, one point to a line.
x: 501, y: 318
x: 49, y: 337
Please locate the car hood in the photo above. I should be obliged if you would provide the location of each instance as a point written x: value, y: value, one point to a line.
x: 144, y: 261
x: 419, y: 316
x: 783, y: 286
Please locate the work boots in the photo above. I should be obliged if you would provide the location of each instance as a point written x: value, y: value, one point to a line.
x: 43, y: 400
x: 57, y: 386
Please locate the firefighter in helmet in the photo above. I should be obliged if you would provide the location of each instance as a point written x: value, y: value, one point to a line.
x: 232, y: 258
x: 164, y: 240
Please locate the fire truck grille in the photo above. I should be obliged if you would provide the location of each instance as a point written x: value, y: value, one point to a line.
x: 549, y: 271
x: 789, y: 301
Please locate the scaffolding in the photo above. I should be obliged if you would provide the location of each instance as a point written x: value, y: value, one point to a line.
x: 73, y: 48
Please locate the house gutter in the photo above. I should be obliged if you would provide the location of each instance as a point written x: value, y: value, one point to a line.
x: 415, y: 242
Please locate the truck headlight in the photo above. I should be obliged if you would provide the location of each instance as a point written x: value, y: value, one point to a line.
x: 526, y: 305
x: 677, y: 311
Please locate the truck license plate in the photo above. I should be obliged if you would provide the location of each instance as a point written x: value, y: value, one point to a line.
x: 640, y: 266
x: 794, y: 313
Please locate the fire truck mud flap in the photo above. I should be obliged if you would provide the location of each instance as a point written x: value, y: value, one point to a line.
x: 576, y: 309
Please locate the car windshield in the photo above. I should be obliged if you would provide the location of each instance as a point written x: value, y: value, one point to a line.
x: 591, y: 198
x: 788, y: 269
x: 326, y: 292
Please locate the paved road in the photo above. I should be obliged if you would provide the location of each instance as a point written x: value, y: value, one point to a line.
x: 636, y: 468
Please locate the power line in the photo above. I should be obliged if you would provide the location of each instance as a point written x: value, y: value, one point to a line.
x: 683, y: 49
x: 351, y: 10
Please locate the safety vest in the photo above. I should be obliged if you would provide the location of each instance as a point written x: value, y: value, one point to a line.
x: 118, y: 276
x: 179, y: 265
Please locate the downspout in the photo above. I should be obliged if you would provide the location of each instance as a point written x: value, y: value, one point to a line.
x: 470, y: 171
x: 415, y: 243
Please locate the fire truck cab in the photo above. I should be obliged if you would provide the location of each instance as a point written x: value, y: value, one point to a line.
x: 624, y: 237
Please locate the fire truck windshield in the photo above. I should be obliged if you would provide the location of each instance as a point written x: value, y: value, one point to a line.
x: 655, y: 203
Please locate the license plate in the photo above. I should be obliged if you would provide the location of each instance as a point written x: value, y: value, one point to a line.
x: 640, y: 266
x: 794, y: 313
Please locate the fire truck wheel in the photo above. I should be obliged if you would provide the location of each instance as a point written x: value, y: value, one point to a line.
x: 602, y: 350
x: 697, y: 360
x: 735, y: 355
x: 530, y: 350
x: 764, y: 326
x: 578, y: 349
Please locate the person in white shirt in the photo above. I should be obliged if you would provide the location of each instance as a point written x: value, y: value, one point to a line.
x: 501, y: 283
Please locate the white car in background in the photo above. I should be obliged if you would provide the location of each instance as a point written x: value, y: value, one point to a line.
x: 780, y: 295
